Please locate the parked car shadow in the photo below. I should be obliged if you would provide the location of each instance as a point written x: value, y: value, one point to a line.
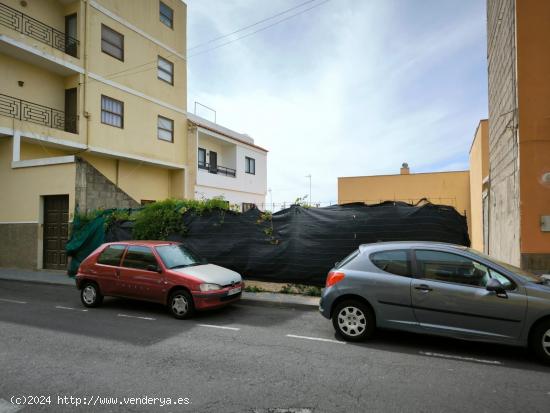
x: 453, y: 349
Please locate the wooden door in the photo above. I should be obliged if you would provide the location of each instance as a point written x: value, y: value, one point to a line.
x: 56, y: 229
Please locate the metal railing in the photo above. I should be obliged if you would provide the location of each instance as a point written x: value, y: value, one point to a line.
x: 222, y: 170
x: 29, y: 26
x: 36, y: 113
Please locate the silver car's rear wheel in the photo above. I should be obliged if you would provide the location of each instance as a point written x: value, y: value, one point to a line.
x: 354, y: 320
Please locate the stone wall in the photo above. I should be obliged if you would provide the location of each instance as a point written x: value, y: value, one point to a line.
x: 19, y: 243
x: 504, y: 206
x: 94, y: 191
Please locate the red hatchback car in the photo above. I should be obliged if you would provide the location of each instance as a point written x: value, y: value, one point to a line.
x: 157, y: 271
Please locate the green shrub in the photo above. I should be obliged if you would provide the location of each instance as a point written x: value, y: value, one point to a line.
x: 160, y: 219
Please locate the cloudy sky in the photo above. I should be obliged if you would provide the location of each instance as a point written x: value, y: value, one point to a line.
x: 350, y: 87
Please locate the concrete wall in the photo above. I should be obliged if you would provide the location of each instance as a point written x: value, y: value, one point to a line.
x: 533, y: 67
x: 234, y: 197
x: 479, y: 170
x: 18, y: 245
x: 94, y: 191
x: 139, y: 181
x: 504, y: 202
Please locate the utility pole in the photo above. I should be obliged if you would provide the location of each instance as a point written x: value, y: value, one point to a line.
x: 309, y: 176
x: 271, y: 199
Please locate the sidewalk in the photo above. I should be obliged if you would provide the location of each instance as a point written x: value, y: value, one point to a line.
x: 61, y: 278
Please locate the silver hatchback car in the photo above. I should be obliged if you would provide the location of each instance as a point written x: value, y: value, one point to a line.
x: 437, y: 288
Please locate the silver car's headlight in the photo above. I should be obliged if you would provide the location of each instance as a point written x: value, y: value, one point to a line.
x: 210, y: 287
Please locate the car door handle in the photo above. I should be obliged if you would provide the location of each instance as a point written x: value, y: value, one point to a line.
x: 423, y: 287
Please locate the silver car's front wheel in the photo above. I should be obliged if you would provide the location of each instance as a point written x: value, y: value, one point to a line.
x: 546, y: 343
x: 354, y: 320
x: 540, y: 340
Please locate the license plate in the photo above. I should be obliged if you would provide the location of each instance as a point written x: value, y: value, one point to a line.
x: 234, y: 291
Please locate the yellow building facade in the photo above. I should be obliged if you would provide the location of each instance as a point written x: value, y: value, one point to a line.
x: 92, y: 114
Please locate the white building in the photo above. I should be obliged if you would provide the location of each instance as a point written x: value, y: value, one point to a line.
x: 226, y: 163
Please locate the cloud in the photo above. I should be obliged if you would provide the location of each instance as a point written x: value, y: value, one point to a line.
x: 349, y: 88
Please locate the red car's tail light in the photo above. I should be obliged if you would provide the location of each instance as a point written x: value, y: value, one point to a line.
x: 334, y: 277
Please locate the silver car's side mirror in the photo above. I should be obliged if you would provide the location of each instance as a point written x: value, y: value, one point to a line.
x: 496, y: 286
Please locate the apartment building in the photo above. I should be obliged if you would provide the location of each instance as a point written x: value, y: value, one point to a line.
x: 92, y: 114
x: 518, y: 195
x: 226, y: 163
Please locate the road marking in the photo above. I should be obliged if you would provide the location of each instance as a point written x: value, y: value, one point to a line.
x: 135, y: 316
x: 69, y: 308
x: 451, y: 356
x: 222, y: 327
x: 12, y: 301
x: 328, y: 340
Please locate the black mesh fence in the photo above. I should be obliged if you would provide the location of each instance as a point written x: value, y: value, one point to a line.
x: 300, y: 245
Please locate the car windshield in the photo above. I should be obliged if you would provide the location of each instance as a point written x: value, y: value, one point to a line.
x: 526, y: 275
x: 177, y: 256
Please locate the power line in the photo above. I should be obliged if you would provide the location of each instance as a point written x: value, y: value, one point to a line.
x: 143, y: 65
x: 152, y: 62
x: 249, y: 26
x: 259, y: 30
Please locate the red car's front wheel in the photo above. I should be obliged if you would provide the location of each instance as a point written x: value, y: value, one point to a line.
x: 181, y: 304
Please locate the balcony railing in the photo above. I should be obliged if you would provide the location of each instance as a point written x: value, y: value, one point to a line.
x: 218, y: 169
x: 25, y: 24
x: 33, y: 112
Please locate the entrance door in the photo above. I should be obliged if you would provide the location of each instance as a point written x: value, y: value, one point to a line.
x: 56, y: 223
x: 70, y: 110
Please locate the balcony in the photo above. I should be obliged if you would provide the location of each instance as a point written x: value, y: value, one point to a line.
x: 218, y: 169
x: 36, y: 113
x: 31, y: 27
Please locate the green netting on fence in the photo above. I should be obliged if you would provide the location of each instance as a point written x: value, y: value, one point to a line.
x: 86, y: 236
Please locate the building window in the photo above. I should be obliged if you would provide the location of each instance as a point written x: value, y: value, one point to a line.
x: 112, y: 112
x: 165, y: 129
x: 250, y: 165
x: 112, y: 43
x: 248, y: 206
x: 202, y: 158
x: 165, y: 70
x: 166, y: 15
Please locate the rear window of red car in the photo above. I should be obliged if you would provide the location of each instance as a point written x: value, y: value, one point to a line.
x: 111, y: 255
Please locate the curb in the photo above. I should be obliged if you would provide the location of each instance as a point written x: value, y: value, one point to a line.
x: 278, y: 300
x: 42, y: 282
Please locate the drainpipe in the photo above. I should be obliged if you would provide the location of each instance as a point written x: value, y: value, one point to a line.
x: 85, y: 57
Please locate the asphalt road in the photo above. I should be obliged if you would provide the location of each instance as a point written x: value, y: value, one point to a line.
x: 245, y: 358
